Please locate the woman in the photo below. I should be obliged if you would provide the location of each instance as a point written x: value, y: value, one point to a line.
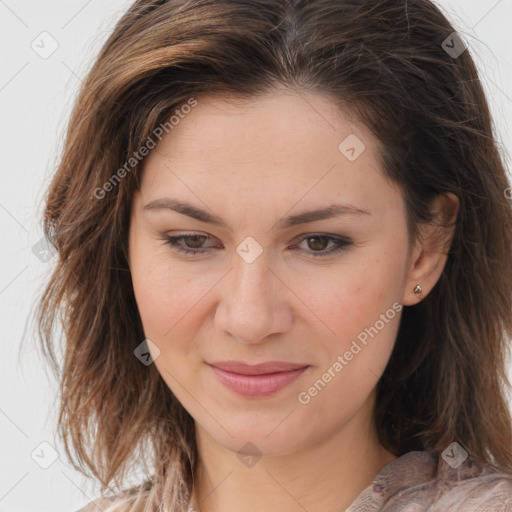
x: 284, y: 263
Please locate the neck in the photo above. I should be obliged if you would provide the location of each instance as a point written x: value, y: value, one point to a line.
x: 327, y: 476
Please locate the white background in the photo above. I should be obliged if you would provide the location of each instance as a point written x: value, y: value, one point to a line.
x: 35, y: 99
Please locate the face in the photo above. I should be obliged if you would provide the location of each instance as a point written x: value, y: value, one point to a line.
x: 230, y: 265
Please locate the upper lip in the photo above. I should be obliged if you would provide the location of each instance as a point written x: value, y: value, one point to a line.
x: 257, y: 369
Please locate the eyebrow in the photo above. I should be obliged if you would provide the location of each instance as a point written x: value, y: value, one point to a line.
x: 334, y: 210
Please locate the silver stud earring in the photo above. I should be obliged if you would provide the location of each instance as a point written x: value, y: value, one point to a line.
x: 418, y: 290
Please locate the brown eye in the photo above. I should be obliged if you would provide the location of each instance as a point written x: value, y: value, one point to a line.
x: 317, y: 243
x: 195, y: 241
x: 192, y: 243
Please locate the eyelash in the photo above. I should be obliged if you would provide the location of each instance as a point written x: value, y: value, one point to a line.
x: 340, y: 244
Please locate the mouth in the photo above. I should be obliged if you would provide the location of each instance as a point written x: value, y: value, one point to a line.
x: 262, y: 379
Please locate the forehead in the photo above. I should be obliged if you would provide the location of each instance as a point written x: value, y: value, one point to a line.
x: 282, y: 125
x: 277, y: 147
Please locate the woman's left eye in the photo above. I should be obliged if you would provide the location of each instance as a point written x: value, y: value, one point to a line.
x: 321, y: 241
x: 322, y: 244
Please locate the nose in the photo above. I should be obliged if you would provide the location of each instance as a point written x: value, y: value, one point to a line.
x: 254, y: 302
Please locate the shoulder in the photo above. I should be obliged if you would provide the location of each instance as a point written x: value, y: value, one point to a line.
x: 474, y: 486
x: 424, y: 481
x: 115, y: 504
x: 103, y: 504
x: 127, y: 500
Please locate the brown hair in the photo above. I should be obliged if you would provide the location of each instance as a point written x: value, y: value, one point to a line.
x: 383, y: 60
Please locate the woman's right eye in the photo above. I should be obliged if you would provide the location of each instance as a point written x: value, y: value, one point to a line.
x: 189, y: 243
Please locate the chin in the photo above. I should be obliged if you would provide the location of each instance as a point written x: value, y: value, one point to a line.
x: 260, y: 441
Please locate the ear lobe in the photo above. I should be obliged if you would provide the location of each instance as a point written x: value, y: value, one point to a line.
x: 431, y: 249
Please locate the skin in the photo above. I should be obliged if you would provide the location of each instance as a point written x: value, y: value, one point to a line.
x: 251, y: 163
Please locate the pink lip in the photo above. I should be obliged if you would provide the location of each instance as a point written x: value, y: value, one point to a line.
x: 256, y: 369
x: 256, y: 380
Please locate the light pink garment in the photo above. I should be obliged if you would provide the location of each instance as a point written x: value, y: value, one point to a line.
x: 415, y: 482
x: 420, y: 482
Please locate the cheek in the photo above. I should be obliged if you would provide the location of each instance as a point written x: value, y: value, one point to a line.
x: 358, y: 304
x: 365, y: 320
x: 166, y: 301
x: 165, y: 295
x: 353, y: 296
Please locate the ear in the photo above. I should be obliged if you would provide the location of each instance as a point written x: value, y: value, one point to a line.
x: 430, y: 251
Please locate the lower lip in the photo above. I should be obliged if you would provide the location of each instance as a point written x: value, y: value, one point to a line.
x: 257, y: 385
